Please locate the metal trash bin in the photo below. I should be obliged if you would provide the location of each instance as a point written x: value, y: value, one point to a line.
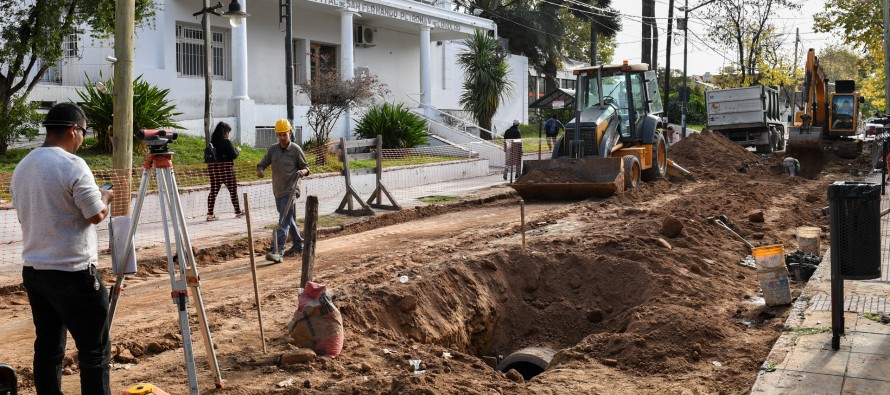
x: 855, y: 212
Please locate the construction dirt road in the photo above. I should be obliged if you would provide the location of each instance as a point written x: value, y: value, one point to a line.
x: 628, y: 308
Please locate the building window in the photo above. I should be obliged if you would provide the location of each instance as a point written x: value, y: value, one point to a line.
x: 323, y: 59
x: 190, y: 52
x: 567, y: 84
x: 69, y: 45
x: 532, y: 83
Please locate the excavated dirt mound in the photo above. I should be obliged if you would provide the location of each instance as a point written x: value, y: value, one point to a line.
x: 564, y: 176
x: 711, y: 151
x: 627, y: 309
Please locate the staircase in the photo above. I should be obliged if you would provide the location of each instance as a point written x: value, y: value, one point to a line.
x: 487, y: 149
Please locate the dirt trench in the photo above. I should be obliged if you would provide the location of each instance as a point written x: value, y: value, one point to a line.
x: 627, y: 308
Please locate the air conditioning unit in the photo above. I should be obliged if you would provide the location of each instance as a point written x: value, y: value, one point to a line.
x: 365, y: 36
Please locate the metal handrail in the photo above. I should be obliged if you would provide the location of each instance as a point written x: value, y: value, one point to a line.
x: 463, y: 121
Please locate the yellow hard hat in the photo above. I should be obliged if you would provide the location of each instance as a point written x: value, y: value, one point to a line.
x: 282, y: 126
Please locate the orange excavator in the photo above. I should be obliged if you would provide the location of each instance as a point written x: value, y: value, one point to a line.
x: 826, y: 121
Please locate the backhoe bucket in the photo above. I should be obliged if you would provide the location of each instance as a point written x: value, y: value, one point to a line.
x: 570, y: 179
x: 805, y: 138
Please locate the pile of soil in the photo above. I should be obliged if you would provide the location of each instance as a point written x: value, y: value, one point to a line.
x: 711, y: 150
x: 562, y: 176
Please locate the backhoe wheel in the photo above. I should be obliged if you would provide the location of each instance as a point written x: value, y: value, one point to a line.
x: 659, y: 160
x: 631, y: 171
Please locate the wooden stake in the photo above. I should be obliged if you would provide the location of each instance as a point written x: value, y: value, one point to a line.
x: 309, y: 237
x: 256, y: 287
x: 522, y: 216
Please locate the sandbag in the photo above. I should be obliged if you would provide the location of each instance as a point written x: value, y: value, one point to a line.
x: 317, y: 323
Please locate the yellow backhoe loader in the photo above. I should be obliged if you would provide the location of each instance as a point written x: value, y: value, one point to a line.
x: 614, y: 141
x: 826, y: 120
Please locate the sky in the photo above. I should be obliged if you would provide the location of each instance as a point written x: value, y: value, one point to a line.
x: 701, y: 59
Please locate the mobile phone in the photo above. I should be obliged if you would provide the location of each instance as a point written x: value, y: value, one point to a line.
x: 108, y: 186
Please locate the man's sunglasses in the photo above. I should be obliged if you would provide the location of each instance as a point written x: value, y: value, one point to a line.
x: 82, y: 129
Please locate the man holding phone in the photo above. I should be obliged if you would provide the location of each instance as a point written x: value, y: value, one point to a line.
x: 58, y: 204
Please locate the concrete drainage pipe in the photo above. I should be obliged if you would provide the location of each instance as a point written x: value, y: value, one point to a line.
x: 529, y: 361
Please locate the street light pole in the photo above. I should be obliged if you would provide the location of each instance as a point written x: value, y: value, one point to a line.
x: 234, y: 15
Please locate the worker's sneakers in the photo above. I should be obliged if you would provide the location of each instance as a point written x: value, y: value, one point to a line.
x: 211, y: 217
x: 293, y: 251
x: 273, y: 257
x: 239, y: 215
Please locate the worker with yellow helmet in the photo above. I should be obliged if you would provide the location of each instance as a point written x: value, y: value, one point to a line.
x: 288, y: 165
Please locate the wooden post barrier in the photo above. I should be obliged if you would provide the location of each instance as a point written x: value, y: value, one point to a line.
x: 256, y: 287
x: 522, y: 218
x: 310, y: 236
x: 376, y: 199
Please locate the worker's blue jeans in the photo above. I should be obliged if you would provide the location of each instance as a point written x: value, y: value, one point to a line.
x: 288, y: 224
x: 64, y: 302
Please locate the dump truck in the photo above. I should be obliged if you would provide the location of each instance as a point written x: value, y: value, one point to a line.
x: 826, y: 120
x: 615, y: 140
x: 749, y: 116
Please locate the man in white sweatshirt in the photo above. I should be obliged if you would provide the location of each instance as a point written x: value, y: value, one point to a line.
x: 58, y: 204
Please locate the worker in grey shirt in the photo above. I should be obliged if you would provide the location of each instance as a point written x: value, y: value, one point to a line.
x: 58, y: 204
x: 288, y: 165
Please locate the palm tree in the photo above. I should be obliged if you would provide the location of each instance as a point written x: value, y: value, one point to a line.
x: 604, y: 21
x: 485, y: 77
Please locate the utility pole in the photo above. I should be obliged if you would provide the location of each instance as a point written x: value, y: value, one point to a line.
x: 886, y: 57
x: 124, y: 50
x: 648, y: 13
x: 794, y: 73
x: 667, y: 56
x: 684, y: 93
x: 654, y: 65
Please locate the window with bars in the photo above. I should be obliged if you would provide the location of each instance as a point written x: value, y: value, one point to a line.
x: 69, y: 45
x: 323, y: 59
x: 190, y: 52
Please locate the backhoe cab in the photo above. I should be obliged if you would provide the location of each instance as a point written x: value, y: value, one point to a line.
x: 614, y: 141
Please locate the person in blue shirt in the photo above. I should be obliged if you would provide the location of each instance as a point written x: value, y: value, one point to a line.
x: 551, y: 130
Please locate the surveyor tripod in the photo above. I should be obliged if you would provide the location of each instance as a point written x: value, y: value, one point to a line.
x: 180, y: 259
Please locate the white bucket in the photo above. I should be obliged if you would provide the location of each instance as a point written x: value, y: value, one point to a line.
x: 808, y: 239
x: 772, y: 274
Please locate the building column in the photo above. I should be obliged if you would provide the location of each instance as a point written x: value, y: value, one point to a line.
x: 245, y: 111
x: 347, y: 47
x: 239, y: 58
x: 425, y: 70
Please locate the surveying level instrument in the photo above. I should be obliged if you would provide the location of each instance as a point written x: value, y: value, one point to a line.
x: 180, y: 259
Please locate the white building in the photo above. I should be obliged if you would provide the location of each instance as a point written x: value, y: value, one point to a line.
x: 411, y: 46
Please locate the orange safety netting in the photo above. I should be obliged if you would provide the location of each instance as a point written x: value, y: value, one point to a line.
x: 408, y: 173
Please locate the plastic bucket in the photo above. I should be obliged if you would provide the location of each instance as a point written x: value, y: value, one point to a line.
x: 768, y: 257
x: 808, y: 239
x: 772, y: 274
x: 776, y: 292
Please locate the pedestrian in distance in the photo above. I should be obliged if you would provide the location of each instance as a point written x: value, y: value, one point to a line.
x: 222, y: 172
x: 288, y: 165
x: 671, y: 135
x: 512, y: 149
x: 551, y: 130
x: 792, y: 166
x: 58, y: 205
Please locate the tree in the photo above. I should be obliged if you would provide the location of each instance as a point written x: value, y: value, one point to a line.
x: 742, y: 29
x: 31, y: 35
x: 485, y: 77
x: 151, y: 110
x: 604, y: 22
x: 859, y: 24
x: 331, y: 97
x: 576, y: 39
x: 532, y: 28
x: 839, y: 63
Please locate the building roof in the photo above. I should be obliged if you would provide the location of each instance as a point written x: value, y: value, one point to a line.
x: 567, y: 96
